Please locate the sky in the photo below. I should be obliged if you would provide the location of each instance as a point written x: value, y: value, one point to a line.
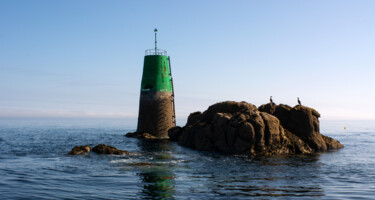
x: 85, y: 58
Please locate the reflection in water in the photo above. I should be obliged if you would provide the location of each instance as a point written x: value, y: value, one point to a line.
x: 280, y: 175
x: 289, y: 176
x: 155, y: 146
x: 224, y: 176
x: 158, y: 183
x: 158, y: 180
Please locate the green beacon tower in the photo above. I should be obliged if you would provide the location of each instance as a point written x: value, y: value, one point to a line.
x: 156, y: 105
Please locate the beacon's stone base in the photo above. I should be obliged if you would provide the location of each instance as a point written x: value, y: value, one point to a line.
x: 155, y: 114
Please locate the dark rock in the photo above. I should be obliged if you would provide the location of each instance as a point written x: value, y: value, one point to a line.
x: 229, y: 107
x: 304, y: 123
x: 269, y: 108
x: 143, y: 135
x: 280, y: 111
x: 301, y: 121
x: 131, y: 134
x: 146, y: 136
x: 140, y: 164
x: 193, y: 117
x: 296, y: 144
x: 174, y: 133
x: 104, y: 149
x: 79, y: 150
x: 240, y: 128
x: 272, y: 129
x: 332, y: 143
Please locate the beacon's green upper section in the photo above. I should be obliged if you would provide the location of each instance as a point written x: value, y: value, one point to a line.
x: 156, y: 74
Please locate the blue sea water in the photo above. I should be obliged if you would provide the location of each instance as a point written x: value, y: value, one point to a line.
x: 34, y: 165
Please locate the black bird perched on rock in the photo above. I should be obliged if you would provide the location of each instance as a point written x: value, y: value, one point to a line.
x: 299, y: 102
x: 271, y: 100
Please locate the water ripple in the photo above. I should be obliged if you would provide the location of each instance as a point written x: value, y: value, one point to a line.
x: 34, y: 164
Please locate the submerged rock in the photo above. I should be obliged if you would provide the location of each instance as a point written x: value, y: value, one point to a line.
x: 241, y: 128
x: 104, y: 149
x: 99, y: 149
x: 79, y: 150
x: 139, y: 164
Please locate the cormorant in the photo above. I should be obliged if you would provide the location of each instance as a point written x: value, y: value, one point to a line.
x: 299, y: 102
x: 271, y: 100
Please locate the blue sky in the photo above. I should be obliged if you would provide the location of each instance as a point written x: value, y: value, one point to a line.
x: 85, y: 58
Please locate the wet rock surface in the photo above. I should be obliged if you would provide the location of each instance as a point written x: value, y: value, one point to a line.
x: 99, y: 149
x: 242, y: 128
x: 139, y: 164
x: 104, y: 149
x: 80, y: 150
x: 143, y: 135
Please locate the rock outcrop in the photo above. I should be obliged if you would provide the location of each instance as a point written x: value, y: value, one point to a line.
x: 139, y: 135
x: 99, y: 149
x: 104, y: 149
x: 80, y: 150
x: 304, y: 123
x: 242, y: 128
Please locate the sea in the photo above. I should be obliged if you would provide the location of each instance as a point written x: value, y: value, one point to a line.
x: 34, y: 165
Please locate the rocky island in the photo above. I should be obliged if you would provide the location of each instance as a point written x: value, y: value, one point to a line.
x: 242, y: 128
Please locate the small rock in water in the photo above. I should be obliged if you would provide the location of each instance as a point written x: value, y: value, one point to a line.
x: 140, y: 164
x: 79, y: 150
x: 140, y: 135
x: 131, y: 134
x: 146, y: 136
x: 104, y: 149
